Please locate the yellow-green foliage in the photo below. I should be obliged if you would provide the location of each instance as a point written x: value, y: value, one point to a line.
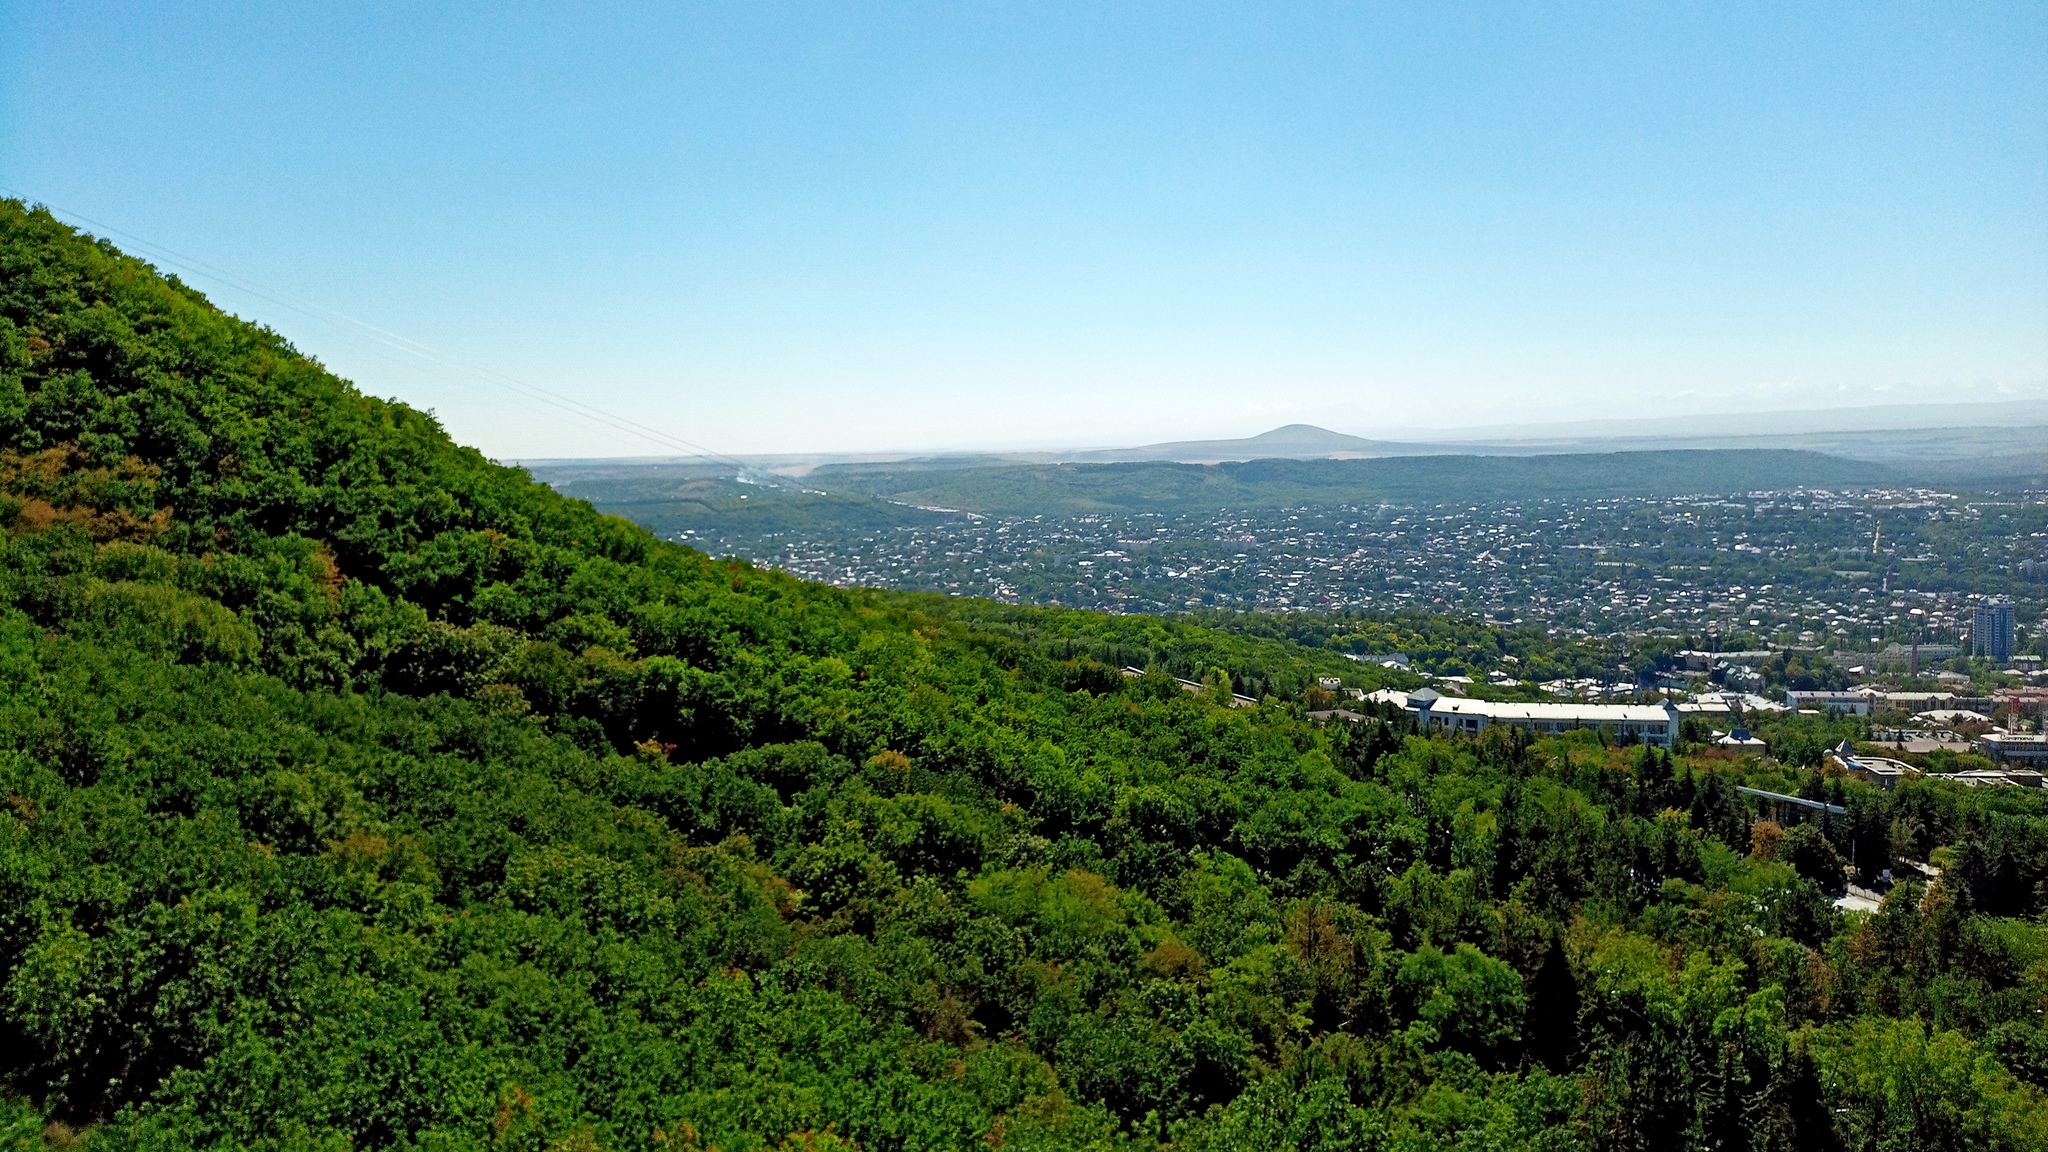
x: 356, y: 792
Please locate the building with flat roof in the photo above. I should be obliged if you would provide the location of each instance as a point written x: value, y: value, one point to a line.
x: 1898, y: 651
x: 1699, y: 661
x: 1979, y: 778
x: 1856, y: 702
x: 1991, y: 632
x: 1882, y: 771
x: 1725, y: 703
x: 2019, y: 750
x: 1641, y: 723
x: 1918, y: 701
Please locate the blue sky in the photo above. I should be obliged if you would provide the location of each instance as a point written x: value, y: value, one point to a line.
x: 769, y: 227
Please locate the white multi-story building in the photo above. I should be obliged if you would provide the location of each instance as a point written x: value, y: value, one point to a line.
x: 1857, y: 702
x: 1655, y: 724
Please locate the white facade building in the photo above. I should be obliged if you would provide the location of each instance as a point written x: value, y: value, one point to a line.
x: 1856, y: 702
x: 1644, y: 723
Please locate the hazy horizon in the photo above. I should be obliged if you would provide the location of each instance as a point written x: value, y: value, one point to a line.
x: 2031, y: 412
x: 894, y: 228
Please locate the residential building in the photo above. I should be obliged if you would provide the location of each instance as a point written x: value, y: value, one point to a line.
x: 1991, y: 633
x: 2021, y: 701
x: 1724, y: 703
x: 1917, y: 701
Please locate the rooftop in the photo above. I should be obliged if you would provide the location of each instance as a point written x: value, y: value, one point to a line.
x: 1522, y: 710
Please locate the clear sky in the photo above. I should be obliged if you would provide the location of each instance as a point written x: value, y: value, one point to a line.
x: 777, y: 226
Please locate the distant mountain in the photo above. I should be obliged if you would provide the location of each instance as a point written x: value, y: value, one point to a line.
x: 1995, y: 445
x: 1289, y: 442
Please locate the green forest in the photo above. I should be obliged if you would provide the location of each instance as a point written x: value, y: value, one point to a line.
x: 861, y: 497
x: 357, y: 792
x: 671, y: 506
x: 1070, y: 489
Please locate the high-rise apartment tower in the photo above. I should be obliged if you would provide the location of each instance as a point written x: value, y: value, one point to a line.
x: 1991, y: 635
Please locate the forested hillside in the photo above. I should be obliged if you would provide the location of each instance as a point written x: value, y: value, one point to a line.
x: 671, y: 506
x: 1070, y: 489
x: 361, y: 793
x: 866, y: 497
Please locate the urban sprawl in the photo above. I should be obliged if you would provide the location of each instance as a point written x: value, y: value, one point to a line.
x: 1847, y: 572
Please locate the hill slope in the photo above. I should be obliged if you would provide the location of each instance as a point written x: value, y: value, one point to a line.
x: 1291, y: 441
x: 359, y: 793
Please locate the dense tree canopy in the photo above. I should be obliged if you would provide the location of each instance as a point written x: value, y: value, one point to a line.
x: 361, y: 793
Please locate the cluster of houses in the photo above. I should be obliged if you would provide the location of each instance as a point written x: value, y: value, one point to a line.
x: 2012, y: 748
x: 1868, y: 700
